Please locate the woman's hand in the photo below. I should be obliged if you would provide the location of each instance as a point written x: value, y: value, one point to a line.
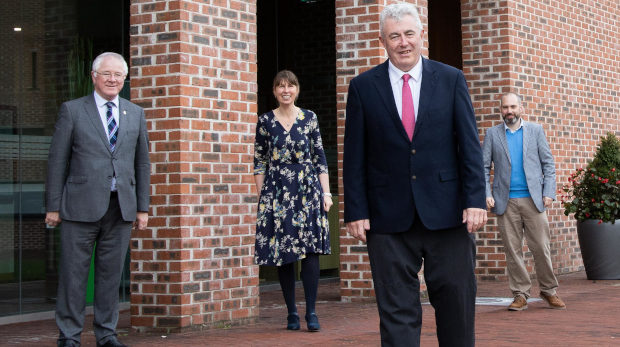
x: 327, y: 202
x: 327, y: 197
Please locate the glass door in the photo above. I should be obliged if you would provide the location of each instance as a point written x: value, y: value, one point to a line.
x: 40, y: 43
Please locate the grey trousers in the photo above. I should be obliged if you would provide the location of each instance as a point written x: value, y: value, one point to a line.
x: 77, y: 240
x: 522, y: 218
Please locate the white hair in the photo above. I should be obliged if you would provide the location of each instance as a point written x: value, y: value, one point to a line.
x: 97, y: 62
x: 397, y: 12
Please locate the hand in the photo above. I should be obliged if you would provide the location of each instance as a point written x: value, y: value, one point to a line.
x: 53, y: 219
x: 490, y: 203
x: 142, y: 219
x: 358, y: 228
x: 475, y: 218
x: 547, y: 201
x: 327, y: 202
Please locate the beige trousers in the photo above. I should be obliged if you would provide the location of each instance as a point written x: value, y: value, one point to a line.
x: 522, y: 218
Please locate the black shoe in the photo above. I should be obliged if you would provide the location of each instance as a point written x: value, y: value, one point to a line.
x: 293, y: 322
x: 313, y: 322
x: 112, y: 342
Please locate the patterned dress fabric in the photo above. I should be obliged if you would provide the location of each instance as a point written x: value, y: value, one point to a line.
x: 291, y: 221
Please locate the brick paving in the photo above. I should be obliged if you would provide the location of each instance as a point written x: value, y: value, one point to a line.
x: 592, y: 319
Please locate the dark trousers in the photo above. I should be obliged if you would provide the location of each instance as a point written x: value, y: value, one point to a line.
x: 449, y: 261
x: 77, y: 240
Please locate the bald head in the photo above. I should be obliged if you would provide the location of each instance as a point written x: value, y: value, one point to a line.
x: 511, y: 108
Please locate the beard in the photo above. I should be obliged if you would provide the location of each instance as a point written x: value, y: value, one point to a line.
x: 514, y: 119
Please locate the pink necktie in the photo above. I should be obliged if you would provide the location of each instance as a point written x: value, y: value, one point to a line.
x: 408, y: 110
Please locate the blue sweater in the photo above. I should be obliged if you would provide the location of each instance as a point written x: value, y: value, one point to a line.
x: 518, y: 182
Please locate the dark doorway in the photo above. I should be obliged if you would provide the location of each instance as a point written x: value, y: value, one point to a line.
x: 106, y: 24
x: 300, y: 35
x: 445, y: 38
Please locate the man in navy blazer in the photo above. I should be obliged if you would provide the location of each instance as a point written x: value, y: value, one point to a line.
x: 418, y: 196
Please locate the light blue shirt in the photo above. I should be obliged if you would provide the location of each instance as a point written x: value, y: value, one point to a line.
x: 518, y: 181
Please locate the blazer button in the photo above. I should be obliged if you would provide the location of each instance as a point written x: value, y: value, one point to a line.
x: 413, y: 151
x: 413, y: 177
x: 109, y: 177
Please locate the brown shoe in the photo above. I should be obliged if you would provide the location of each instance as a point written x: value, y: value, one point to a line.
x: 553, y: 301
x: 518, y: 304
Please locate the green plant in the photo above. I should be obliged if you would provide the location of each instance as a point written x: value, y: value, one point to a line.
x: 79, y: 65
x: 79, y: 83
x: 594, y: 192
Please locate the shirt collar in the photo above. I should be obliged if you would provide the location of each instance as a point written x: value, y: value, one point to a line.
x: 100, y: 101
x: 520, y: 126
x: 396, y: 74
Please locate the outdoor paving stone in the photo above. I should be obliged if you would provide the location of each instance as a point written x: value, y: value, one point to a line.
x: 591, y: 319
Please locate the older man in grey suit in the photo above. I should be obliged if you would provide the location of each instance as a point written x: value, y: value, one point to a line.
x: 98, y: 185
x: 523, y: 188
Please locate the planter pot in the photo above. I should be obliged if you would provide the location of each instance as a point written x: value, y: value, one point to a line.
x: 600, y: 249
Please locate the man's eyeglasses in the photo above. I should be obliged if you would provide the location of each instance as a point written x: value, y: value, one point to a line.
x: 108, y: 75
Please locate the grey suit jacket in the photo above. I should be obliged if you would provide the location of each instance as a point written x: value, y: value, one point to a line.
x: 81, y: 165
x: 537, y: 163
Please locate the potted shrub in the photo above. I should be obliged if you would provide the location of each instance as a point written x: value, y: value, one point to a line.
x: 592, y: 195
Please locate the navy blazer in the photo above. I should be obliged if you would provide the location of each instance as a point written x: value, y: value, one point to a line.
x: 387, y: 176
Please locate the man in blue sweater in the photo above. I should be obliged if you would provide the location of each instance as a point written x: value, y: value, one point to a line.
x: 523, y: 188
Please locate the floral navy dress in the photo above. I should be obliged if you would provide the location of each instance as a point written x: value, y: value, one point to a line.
x: 291, y: 221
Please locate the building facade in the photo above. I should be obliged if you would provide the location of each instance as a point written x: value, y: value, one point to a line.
x: 203, y: 71
x: 558, y: 55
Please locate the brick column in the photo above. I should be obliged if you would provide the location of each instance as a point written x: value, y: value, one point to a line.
x: 568, y: 79
x: 193, y: 68
x: 358, y: 50
x: 487, y: 68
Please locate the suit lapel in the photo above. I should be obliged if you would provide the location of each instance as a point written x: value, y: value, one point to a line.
x: 429, y: 81
x: 502, y: 138
x: 93, y: 114
x: 526, y: 137
x: 122, y: 120
x: 384, y: 88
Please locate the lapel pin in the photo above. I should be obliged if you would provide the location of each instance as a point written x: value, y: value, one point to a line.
x: 124, y: 112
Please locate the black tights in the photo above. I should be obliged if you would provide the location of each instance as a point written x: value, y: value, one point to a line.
x: 309, y: 277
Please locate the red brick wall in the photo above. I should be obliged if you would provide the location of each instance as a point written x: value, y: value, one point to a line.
x: 562, y: 58
x: 193, y: 68
x: 358, y: 50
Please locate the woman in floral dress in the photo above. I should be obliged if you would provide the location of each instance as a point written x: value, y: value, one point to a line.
x: 291, y: 177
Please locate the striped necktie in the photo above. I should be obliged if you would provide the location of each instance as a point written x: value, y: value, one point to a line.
x: 112, y: 126
x: 408, y: 110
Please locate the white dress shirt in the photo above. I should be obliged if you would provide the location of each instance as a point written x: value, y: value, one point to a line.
x: 103, y: 114
x: 415, y: 82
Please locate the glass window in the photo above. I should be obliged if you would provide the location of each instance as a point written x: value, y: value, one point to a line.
x: 42, y: 44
